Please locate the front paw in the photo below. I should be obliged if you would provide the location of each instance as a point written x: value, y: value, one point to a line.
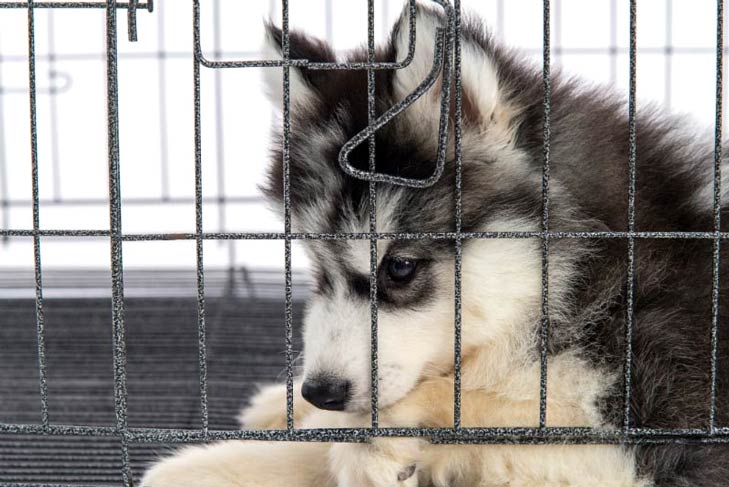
x: 385, y: 462
x: 190, y: 467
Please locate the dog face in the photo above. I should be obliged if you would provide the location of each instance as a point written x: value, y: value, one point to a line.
x: 501, y: 279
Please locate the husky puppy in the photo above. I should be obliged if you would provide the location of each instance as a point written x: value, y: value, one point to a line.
x: 502, y: 160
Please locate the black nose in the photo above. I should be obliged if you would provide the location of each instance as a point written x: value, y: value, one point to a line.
x: 327, y: 393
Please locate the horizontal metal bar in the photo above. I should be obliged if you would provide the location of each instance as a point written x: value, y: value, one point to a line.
x: 134, y: 237
x: 302, y: 63
x: 440, y: 435
x: 586, y: 440
x: 51, y: 89
x: 55, y: 233
x: 38, y: 484
x: 298, y: 63
x: 208, y: 63
x: 186, y: 54
x: 142, y: 5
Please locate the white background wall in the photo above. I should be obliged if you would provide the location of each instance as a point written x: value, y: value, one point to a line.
x: 156, y: 108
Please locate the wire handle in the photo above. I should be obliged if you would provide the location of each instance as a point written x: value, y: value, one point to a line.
x: 441, y: 61
x: 438, y: 64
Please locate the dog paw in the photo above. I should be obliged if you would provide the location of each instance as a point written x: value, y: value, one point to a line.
x: 407, y: 473
x: 385, y: 462
x: 190, y: 467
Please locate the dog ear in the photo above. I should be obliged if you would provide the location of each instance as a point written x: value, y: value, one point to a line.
x: 304, y: 84
x: 482, y: 94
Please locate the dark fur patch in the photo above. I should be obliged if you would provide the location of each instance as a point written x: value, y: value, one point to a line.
x: 392, y: 295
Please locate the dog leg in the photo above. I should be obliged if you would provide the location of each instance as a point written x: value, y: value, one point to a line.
x: 244, y: 464
x: 384, y: 462
x: 252, y: 463
x: 430, y: 404
x: 381, y: 462
x: 256, y: 463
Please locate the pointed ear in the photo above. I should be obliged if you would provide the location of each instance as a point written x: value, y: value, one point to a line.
x: 482, y: 93
x: 303, y: 83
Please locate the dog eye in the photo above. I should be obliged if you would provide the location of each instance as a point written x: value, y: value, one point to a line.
x: 401, y: 269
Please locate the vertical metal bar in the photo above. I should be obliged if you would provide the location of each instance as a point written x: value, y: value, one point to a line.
x: 219, y: 136
x: 385, y: 18
x: 115, y: 221
x: 632, y: 148
x: 547, y: 132
x: 201, y: 328
x: 132, y: 20
x: 500, y: 21
x: 557, y: 35
x: 668, y: 52
x: 40, y: 317
x: 162, y: 96
x: 232, y: 257
x: 371, y: 115
x: 272, y: 10
x: 285, y: 48
x: 4, y: 196
x: 329, y: 21
x: 55, y: 156
x: 717, y: 210
x: 459, y: 220
x: 219, y: 139
x: 613, y: 41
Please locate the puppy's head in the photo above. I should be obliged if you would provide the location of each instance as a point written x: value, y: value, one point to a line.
x: 415, y: 278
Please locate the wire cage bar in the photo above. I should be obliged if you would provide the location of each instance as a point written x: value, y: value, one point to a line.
x: 632, y: 150
x: 447, y: 66
x: 717, y: 175
x: 115, y: 224
x: 547, y: 133
x: 458, y: 242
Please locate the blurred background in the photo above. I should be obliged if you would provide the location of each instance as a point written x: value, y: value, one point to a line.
x: 590, y: 39
x: 244, y: 279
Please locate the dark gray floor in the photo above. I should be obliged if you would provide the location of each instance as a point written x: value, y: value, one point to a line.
x: 245, y: 347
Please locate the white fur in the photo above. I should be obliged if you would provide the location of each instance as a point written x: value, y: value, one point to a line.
x: 406, y: 80
x: 243, y: 464
x: 479, y: 74
x: 300, y: 92
x: 337, y: 341
x: 574, y: 386
x: 359, y: 250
